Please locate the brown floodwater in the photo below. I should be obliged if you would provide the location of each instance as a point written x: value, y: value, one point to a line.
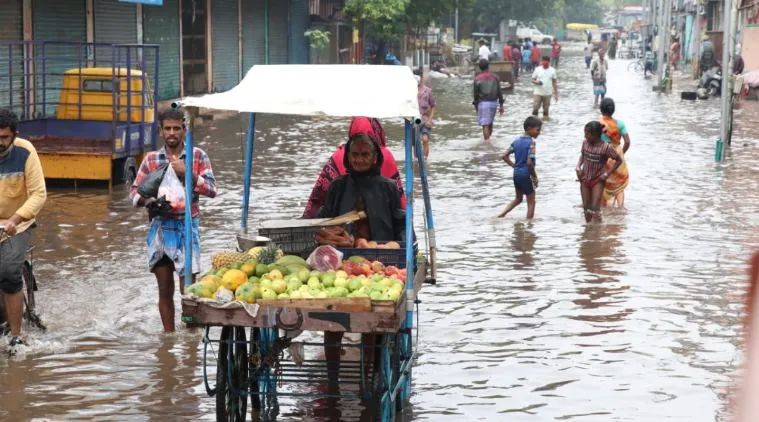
x: 633, y: 319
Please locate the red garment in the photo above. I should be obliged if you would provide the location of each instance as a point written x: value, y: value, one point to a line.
x: 535, y: 54
x: 506, y: 52
x: 335, y: 167
x: 556, y: 50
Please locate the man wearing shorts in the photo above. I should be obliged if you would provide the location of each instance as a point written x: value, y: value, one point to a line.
x: 166, y: 243
x: 487, y: 98
x: 22, y: 195
x: 426, y: 111
x: 544, y: 81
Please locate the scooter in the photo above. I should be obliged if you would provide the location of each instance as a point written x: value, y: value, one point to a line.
x: 710, y: 84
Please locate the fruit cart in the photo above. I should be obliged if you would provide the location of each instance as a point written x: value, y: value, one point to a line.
x: 256, y: 332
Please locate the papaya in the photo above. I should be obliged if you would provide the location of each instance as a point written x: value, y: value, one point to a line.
x: 289, y: 260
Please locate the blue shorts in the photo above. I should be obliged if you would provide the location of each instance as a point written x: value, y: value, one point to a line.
x: 425, y: 130
x: 649, y: 67
x: 587, y: 60
x: 523, y: 182
x: 599, y: 90
x: 166, y: 238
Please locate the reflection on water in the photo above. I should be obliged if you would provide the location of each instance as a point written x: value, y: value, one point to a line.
x: 635, y: 318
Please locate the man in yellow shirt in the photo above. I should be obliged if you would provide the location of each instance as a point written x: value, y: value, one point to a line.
x: 22, y: 195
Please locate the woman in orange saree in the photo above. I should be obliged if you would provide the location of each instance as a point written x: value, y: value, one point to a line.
x: 615, y: 131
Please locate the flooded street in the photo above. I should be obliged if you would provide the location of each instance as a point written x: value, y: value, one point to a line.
x: 634, y: 319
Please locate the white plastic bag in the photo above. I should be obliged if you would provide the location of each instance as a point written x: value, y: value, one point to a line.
x: 173, y: 189
x: 325, y: 258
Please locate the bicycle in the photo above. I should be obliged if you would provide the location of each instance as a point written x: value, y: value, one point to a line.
x: 636, y: 66
x: 30, y: 286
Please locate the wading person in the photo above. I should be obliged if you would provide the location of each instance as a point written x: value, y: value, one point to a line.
x: 555, y: 53
x: 525, y: 177
x: 544, y: 82
x: 615, y: 131
x: 535, y: 56
x: 487, y: 98
x: 598, y: 70
x: 363, y: 188
x: 591, y: 169
x: 588, y: 52
x: 526, y: 54
x: 426, y: 111
x: 335, y: 166
x: 166, y: 234
x: 22, y: 195
x: 516, y: 57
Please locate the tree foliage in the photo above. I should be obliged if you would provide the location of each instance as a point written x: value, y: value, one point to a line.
x: 382, y: 18
x: 583, y: 11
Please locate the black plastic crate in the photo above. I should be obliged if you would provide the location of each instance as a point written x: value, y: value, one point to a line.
x: 299, y: 241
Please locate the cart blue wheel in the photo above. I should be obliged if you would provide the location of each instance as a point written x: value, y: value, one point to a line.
x: 267, y: 382
x: 406, y: 353
x: 206, y: 342
x: 384, y: 379
x: 255, y: 364
x: 232, y: 376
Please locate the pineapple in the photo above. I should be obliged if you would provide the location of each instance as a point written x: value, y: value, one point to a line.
x: 269, y: 254
x: 228, y: 259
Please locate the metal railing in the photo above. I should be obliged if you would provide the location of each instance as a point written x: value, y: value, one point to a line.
x: 32, y: 75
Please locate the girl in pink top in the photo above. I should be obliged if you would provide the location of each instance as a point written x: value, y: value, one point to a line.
x: 591, y: 169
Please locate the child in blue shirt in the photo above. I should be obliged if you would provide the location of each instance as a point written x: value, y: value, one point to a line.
x: 525, y: 178
x: 526, y: 66
x: 648, y: 60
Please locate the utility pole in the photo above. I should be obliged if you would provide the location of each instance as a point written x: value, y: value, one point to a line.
x: 666, y: 18
x: 730, y: 27
x: 456, y: 25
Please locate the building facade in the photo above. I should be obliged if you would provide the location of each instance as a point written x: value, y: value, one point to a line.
x: 204, y: 45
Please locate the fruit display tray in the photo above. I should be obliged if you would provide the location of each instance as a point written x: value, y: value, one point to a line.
x: 353, y: 315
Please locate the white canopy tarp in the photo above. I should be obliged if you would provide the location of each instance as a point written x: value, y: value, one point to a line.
x: 380, y: 91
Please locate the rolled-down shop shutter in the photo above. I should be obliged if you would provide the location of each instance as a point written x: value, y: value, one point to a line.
x: 161, y: 27
x: 12, y: 78
x: 115, y: 23
x: 279, y: 24
x: 56, y: 20
x: 225, y: 47
x: 298, y: 47
x: 253, y: 34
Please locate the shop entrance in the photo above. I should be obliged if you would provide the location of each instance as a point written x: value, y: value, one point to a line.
x: 194, y: 46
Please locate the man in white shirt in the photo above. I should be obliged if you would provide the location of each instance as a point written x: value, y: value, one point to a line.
x: 484, y: 52
x: 544, y: 82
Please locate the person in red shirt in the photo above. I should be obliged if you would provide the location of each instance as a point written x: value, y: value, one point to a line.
x: 555, y: 54
x: 535, y: 56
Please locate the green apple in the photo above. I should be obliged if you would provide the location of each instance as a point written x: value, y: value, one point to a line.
x: 314, y: 283
x: 279, y: 286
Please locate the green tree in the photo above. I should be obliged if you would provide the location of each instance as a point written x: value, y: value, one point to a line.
x: 382, y: 18
x: 583, y: 11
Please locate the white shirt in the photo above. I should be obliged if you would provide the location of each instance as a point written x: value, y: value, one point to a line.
x: 484, y: 52
x: 547, y: 76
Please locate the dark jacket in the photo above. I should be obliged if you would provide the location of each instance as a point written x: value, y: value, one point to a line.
x: 487, y: 87
x: 380, y: 195
x: 382, y: 202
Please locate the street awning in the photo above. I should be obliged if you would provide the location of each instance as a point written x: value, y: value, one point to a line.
x: 380, y: 91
